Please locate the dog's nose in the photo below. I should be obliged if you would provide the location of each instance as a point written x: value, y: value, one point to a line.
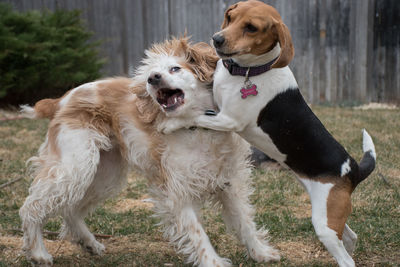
x: 219, y: 40
x: 154, y: 78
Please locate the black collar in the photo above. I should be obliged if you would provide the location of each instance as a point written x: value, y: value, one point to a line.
x: 235, y: 69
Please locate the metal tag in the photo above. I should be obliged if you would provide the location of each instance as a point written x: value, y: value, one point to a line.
x: 248, y: 88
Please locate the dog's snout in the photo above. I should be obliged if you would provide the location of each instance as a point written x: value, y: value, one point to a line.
x: 154, y: 78
x: 219, y: 40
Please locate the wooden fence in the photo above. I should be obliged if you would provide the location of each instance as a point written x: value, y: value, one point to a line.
x: 346, y: 50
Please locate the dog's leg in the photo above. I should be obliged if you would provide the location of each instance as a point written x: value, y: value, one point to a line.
x: 182, y: 227
x: 330, y: 208
x: 349, y: 239
x: 59, y: 185
x: 33, y: 215
x: 109, y: 179
x: 221, y: 122
x: 172, y: 124
x: 238, y: 216
x: 75, y: 227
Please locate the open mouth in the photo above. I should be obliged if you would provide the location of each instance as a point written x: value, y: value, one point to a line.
x: 170, y: 99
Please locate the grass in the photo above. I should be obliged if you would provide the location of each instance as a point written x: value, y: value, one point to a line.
x: 282, y: 205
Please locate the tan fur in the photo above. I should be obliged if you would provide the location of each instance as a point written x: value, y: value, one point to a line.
x: 270, y: 31
x: 52, y: 138
x: 338, y: 202
x: 339, y: 205
x: 199, y: 58
x: 46, y: 108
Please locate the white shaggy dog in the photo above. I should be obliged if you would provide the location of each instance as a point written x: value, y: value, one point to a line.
x: 99, y: 130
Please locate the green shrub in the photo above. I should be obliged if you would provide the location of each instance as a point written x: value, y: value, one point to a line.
x: 44, y: 54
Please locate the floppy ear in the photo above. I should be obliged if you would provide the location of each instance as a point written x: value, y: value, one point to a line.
x: 225, y: 23
x: 145, y: 105
x: 285, y: 41
x: 202, y: 61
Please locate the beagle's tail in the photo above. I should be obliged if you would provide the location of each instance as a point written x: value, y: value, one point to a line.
x: 367, y: 163
x: 45, y: 108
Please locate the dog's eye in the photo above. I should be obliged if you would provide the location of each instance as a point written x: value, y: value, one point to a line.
x: 250, y: 28
x: 175, y: 69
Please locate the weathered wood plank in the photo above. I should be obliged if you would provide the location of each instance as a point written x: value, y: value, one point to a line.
x: 343, y: 54
x: 134, y: 35
x: 155, y: 21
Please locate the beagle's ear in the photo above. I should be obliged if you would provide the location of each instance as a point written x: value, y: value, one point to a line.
x: 202, y: 61
x: 226, y: 20
x: 285, y: 41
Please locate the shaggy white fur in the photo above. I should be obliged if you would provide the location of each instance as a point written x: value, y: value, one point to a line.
x: 85, y: 158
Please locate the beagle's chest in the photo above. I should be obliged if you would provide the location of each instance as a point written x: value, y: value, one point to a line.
x: 226, y: 88
x: 244, y: 98
x: 233, y: 92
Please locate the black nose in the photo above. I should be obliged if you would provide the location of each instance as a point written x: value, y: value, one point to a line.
x: 154, y: 78
x: 219, y: 40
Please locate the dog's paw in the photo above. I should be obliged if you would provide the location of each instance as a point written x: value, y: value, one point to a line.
x: 165, y: 128
x: 226, y: 262
x: 170, y: 126
x: 94, y: 248
x: 43, y: 259
x: 349, y: 240
x: 214, y: 262
x: 349, y: 243
x: 264, y: 253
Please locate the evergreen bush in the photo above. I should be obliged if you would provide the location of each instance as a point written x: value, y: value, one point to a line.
x: 43, y: 54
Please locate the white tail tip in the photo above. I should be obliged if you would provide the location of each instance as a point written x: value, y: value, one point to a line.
x: 368, y: 144
x: 27, y: 111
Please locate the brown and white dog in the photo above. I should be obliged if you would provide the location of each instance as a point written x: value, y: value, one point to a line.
x: 100, y: 130
x: 258, y: 97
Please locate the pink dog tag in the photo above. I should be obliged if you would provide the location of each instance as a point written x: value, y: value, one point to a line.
x: 249, y: 90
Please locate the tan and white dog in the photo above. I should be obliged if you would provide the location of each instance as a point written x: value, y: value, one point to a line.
x: 258, y: 97
x: 100, y: 130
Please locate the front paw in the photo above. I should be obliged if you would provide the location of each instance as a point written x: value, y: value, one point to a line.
x: 40, y: 258
x: 166, y: 128
x: 94, y: 247
x: 207, y: 261
x: 172, y: 125
x: 169, y: 127
x: 264, y: 253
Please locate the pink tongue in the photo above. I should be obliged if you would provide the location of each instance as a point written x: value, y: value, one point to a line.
x: 170, y: 100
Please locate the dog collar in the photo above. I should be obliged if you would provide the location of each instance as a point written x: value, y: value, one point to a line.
x: 234, y: 69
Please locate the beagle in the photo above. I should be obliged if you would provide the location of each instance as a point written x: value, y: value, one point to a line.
x: 258, y: 97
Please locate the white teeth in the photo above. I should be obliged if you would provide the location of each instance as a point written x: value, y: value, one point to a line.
x: 175, y: 100
x: 164, y: 105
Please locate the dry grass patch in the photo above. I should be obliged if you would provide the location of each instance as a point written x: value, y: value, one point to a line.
x: 13, y: 246
x: 127, y: 204
x: 304, y: 251
x: 376, y: 106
